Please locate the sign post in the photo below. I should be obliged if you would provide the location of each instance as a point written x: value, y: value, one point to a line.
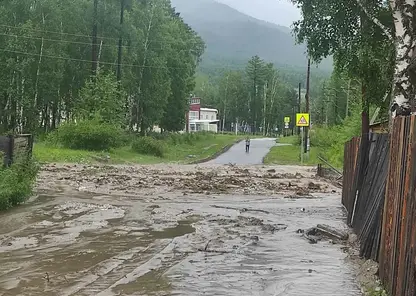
x: 302, y: 134
x: 302, y: 120
x: 287, y: 121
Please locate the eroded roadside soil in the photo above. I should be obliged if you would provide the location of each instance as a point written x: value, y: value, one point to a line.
x: 174, y: 230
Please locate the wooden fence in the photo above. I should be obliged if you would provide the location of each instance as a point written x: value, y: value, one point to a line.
x: 15, y: 147
x: 383, y: 211
x: 369, y: 201
x: 364, y: 204
x: 349, y: 185
x: 398, y: 253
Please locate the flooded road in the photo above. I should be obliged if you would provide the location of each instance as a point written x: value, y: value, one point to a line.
x: 174, y: 230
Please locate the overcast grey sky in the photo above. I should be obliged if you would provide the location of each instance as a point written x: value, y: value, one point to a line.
x: 281, y: 12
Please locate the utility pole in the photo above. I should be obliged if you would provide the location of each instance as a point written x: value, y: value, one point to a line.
x: 348, y: 99
x: 323, y: 108
x: 225, y: 105
x: 293, y: 119
x: 264, y: 109
x: 120, y: 43
x: 307, y: 104
x: 299, y: 101
x: 94, y: 51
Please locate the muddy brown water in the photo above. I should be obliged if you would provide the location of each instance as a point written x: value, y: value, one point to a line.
x: 83, y: 244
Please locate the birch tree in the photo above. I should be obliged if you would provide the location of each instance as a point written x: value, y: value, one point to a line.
x: 361, y: 37
x: 46, y: 55
x: 404, y: 25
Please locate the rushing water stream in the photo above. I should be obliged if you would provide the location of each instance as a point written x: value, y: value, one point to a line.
x: 193, y: 245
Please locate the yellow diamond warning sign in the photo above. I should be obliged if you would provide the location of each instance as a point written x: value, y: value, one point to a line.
x: 302, y: 119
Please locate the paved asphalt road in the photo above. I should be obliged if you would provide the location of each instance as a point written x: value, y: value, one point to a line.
x: 237, y: 154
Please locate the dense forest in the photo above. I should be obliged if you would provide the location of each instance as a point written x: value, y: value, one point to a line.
x: 257, y: 97
x: 131, y: 63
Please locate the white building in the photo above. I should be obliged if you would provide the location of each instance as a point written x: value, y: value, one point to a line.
x: 204, y: 119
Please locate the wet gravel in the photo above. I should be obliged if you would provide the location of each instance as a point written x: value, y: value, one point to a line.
x: 174, y: 230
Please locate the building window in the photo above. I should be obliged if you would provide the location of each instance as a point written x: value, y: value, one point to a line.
x: 206, y: 116
x: 193, y: 115
x: 212, y: 117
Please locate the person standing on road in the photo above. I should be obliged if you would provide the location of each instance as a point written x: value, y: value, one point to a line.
x: 247, y: 144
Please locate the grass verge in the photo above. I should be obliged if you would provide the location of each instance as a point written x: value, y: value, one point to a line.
x: 290, y: 154
x: 182, y: 152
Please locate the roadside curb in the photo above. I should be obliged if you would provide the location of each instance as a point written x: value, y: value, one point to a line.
x: 215, y: 155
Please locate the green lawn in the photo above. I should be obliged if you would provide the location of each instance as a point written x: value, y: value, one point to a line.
x: 181, y: 153
x: 290, y: 155
x: 294, y: 140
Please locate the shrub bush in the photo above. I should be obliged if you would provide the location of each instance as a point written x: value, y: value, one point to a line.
x: 16, y: 183
x: 331, y: 140
x: 190, y: 138
x: 149, y: 146
x: 88, y: 135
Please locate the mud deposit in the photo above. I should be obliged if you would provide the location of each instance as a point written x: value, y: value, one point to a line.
x: 174, y: 230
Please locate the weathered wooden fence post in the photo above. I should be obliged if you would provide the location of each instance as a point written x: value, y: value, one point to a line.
x: 10, y: 150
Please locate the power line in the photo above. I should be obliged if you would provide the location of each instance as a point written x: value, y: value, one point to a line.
x: 89, y: 44
x: 76, y: 42
x: 81, y: 35
x: 60, y: 41
x: 60, y: 33
x: 87, y: 61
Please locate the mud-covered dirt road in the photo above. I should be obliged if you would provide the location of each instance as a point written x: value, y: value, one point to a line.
x: 174, y: 230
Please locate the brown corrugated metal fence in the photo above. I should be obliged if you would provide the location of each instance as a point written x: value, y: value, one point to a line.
x: 397, y: 252
x: 351, y: 149
x: 383, y: 211
x: 367, y: 214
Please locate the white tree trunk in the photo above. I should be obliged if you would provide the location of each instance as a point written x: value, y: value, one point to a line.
x: 99, y: 55
x: 139, y: 87
x: 405, y: 45
x: 35, y: 101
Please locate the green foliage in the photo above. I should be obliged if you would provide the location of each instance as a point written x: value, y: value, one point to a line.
x: 101, y: 97
x: 190, y: 138
x: 257, y: 97
x: 174, y: 139
x: 377, y: 292
x: 293, y: 140
x: 16, y: 183
x: 360, y: 48
x: 149, y: 146
x: 290, y: 155
x: 177, y: 148
x: 46, y: 75
x: 90, y: 135
x: 330, y: 141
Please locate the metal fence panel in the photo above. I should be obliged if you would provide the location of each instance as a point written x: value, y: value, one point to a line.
x: 367, y: 215
x: 16, y: 147
x: 397, y: 253
x: 351, y: 150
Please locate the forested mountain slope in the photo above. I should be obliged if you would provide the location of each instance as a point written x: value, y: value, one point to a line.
x: 232, y: 37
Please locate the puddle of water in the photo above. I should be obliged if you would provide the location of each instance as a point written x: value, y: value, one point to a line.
x: 151, y: 283
x: 183, y: 228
